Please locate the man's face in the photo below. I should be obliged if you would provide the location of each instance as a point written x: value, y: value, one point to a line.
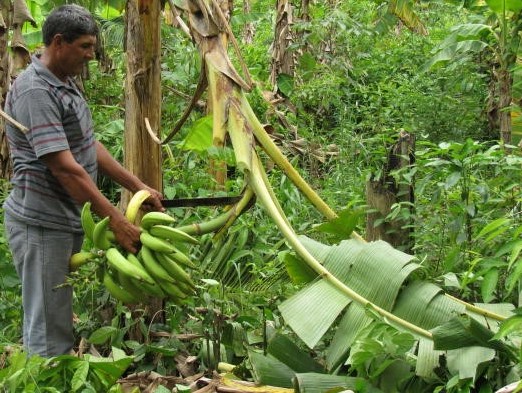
x: 72, y: 56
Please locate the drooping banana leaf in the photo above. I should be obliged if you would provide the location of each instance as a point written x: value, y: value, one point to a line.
x: 384, y: 276
x: 355, y: 263
x: 464, y: 331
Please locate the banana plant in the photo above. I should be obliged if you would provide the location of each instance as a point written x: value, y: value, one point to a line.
x: 498, y: 35
x: 366, y: 281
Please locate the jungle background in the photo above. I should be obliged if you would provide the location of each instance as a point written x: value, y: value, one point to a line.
x: 404, y: 116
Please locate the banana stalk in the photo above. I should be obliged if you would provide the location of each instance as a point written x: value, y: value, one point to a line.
x: 255, y: 178
x: 220, y: 223
x: 230, y: 106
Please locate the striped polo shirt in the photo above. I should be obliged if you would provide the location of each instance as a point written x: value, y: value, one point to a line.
x: 58, y: 119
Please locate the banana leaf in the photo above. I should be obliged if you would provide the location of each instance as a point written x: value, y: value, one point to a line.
x: 464, y: 331
x: 359, y: 265
x: 321, y: 383
x: 286, y: 351
x: 267, y: 370
x: 464, y: 362
x: 383, y: 275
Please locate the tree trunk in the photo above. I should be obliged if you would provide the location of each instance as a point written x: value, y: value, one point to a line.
x: 218, y: 168
x: 305, y: 11
x: 142, y: 156
x: 13, y: 17
x: 382, y: 194
x: 249, y: 29
x: 505, y: 81
x: 5, y: 79
x: 283, y: 59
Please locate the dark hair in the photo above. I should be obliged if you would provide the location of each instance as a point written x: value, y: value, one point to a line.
x: 71, y: 21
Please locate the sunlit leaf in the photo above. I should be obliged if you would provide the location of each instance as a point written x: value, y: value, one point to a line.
x: 299, y: 272
x: 498, y: 6
x: 199, y: 137
x: 80, y: 375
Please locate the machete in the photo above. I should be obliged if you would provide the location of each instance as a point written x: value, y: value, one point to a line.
x: 200, y: 201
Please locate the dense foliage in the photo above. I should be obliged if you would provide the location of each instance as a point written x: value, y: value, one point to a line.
x: 357, y: 83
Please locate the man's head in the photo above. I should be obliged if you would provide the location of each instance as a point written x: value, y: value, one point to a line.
x: 69, y: 35
x: 70, y: 21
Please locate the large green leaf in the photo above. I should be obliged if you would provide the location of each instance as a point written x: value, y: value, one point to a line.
x: 297, y: 270
x: 342, y: 226
x: 464, y: 361
x: 498, y: 6
x: 352, y: 262
x: 382, y: 275
x: 451, y: 52
x: 199, y: 137
x: 321, y: 383
x: 287, y: 352
x: 427, y: 358
x: 464, y: 331
x: 313, y: 310
x: 267, y: 370
x: 425, y: 305
x: 352, y: 322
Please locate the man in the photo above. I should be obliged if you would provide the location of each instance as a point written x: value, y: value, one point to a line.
x: 55, y: 165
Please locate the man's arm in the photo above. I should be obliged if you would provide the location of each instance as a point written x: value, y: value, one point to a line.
x: 77, y: 182
x: 113, y: 169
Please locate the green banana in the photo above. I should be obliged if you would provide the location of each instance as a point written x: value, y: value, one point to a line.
x: 132, y: 287
x: 174, y: 269
x: 80, y: 258
x: 99, y: 234
x: 172, y: 291
x: 87, y: 220
x: 110, y: 236
x: 171, y: 234
x: 242, y: 239
x: 153, y: 218
x: 118, y: 261
x: 135, y: 204
x: 116, y: 291
x: 186, y: 289
x: 221, y: 258
x: 155, y: 243
x: 153, y: 290
x: 151, y: 264
x: 182, y: 259
x: 135, y: 260
x: 149, y: 289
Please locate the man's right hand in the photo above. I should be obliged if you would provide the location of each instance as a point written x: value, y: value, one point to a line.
x: 126, y: 234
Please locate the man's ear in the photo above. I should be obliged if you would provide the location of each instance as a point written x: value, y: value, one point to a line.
x: 58, y: 39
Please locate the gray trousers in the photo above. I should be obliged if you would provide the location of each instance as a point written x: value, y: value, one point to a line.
x: 41, y: 257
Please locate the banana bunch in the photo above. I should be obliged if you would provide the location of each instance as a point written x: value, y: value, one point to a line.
x: 160, y: 269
